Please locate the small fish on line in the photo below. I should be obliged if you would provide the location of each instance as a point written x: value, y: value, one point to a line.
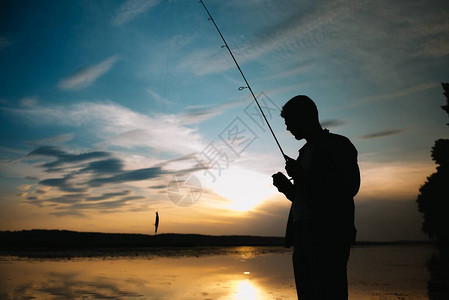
x: 156, y: 223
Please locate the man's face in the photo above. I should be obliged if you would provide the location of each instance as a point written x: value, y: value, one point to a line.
x: 294, y: 126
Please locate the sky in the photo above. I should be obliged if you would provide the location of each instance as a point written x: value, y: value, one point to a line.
x: 113, y: 110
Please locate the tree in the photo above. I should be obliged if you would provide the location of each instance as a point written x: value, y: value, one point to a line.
x: 433, y: 198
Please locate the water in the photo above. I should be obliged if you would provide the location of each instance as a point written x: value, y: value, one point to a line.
x: 375, y: 272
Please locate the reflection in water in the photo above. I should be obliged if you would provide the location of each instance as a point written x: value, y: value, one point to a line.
x: 438, y: 285
x: 245, y: 290
x: 374, y: 273
x: 237, y: 275
x: 389, y: 272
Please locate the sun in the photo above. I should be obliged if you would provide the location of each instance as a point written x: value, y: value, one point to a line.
x: 244, y: 189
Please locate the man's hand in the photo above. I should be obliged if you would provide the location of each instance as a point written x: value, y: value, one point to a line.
x: 283, y: 184
x: 292, y: 167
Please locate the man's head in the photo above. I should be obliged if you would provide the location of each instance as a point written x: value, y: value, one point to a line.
x: 301, y: 117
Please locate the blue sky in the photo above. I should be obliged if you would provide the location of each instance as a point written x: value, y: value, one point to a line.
x: 104, y: 104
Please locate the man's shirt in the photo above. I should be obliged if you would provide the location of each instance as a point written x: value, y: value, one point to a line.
x: 300, y: 211
x: 328, y: 180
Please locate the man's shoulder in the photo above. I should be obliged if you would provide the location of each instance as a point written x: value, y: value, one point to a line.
x: 330, y: 137
x: 337, y: 142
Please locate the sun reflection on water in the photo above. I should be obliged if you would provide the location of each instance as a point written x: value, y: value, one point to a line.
x: 245, y: 290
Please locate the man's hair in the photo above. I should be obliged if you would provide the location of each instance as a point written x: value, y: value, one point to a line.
x: 300, y: 106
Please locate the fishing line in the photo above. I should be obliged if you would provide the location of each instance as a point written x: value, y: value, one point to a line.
x: 244, y: 78
x: 162, y: 103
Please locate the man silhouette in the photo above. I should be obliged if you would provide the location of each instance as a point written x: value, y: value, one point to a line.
x: 321, y: 220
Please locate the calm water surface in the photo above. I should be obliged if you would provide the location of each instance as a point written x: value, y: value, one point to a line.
x: 375, y: 272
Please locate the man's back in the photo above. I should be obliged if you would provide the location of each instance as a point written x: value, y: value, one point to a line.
x: 331, y: 182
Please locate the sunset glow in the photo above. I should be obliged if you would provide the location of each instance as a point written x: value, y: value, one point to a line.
x: 113, y: 110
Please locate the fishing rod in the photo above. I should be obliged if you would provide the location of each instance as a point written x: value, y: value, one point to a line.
x: 244, y: 78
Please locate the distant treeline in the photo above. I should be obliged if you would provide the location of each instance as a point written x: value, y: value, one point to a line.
x: 74, y: 239
x: 52, y: 239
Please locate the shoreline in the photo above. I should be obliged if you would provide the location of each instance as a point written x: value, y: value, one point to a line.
x: 63, y: 243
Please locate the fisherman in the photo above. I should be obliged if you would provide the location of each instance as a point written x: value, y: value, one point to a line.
x: 321, y: 220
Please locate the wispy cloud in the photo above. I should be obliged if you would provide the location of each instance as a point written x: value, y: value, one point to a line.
x: 381, y: 134
x: 430, y: 31
x: 64, y: 157
x: 107, y: 196
x: 290, y: 72
x: 88, y: 169
x: 333, y: 123
x: 53, y: 140
x: 104, y: 166
x: 115, y: 125
x: 28, y: 101
x: 78, y: 181
x: 406, y: 92
x: 159, y: 98
x: 435, y: 47
x: 383, y: 47
x: 64, y: 184
x: 199, y: 113
x: 289, y: 37
x: 131, y: 9
x: 107, y: 205
x: 125, y: 176
x: 390, y: 38
x: 87, y: 76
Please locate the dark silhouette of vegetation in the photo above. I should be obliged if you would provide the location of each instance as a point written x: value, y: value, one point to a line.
x: 433, y: 200
x: 438, y: 284
x: 433, y: 203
